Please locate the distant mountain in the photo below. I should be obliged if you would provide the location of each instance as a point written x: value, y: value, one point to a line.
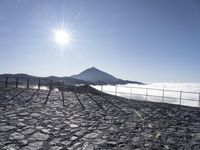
x: 34, y: 79
x: 89, y: 76
x: 94, y: 75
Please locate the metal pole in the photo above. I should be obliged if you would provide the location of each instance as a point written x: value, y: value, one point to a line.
x: 163, y: 95
x: 39, y: 84
x: 17, y: 81
x: 6, y: 81
x: 88, y: 88
x: 146, y: 93
x: 199, y: 99
x: 75, y: 88
x: 116, y: 90
x: 180, y: 97
x: 27, y: 83
x: 50, y: 85
x: 131, y: 93
x: 101, y: 89
x: 63, y: 98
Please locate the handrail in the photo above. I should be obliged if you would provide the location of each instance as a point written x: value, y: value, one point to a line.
x: 147, y: 92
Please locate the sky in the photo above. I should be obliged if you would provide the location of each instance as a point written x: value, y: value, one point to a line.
x: 142, y: 40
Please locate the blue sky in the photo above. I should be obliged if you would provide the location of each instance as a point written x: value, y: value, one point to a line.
x: 157, y: 40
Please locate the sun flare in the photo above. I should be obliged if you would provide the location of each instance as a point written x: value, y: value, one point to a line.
x: 62, y: 37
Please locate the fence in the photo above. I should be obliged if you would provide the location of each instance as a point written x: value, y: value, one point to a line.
x: 29, y: 82
x: 139, y: 93
x: 40, y: 83
x: 153, y: 94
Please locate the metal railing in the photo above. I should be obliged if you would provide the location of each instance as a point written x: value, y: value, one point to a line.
x: 153, y: 94
x: 29, y: 82
x: 139, y: 93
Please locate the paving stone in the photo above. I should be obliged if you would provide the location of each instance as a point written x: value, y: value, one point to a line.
x: 28, y: 131
x: 20, y: 124
x: 16, y: 136
x: 66, y: 143
x: 56, y: 148
x: 23, y: 142
x: 39, y: 127
x: 136, y: 139
x: 11, y: 147
x: 45, y: 130
x: 55, y: 141
x: 24, y: 114
x: 39, y: 136
x: 111, y: 143
x: 7, y: 128
x: 147, y: 135
x: 35, y: 114
x: 73, y: 138
x: 88, y: 146
x: 91, y: 135
x: 33, y: 121
x: 33, y: 146
x: 73, y: 125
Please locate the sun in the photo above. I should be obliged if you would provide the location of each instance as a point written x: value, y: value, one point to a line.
x: 62, y: 37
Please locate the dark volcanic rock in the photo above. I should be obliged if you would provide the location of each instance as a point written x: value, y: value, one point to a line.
x: 84, y: 124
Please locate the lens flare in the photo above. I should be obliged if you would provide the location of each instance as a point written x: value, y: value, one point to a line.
x: 62, y: 37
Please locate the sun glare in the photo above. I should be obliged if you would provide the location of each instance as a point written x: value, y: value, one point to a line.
x: 62, y: 37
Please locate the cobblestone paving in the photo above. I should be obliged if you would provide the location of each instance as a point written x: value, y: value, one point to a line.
x: 106, y: 123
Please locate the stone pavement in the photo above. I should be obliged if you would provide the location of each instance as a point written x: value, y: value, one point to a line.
x: 105, y: 123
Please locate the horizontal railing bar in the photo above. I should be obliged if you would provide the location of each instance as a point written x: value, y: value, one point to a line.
x: 166, y: 90
x: 185, y: 99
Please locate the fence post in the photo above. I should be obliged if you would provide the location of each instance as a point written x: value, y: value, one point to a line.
x: 163, y: 95
x: 63, y: 85
x: 199, y: 99
x: 50, y: 85
x: 146, y: 93
x: 101, y: 90
x: 115, y: 90
x: 63, y: 98
x: 27, y: 86
x: 17, y: 81
x: 39, y: 84
x: 6, y: 81
x: 130, y: 93
x: 88, y: 88
x: 180, y: 97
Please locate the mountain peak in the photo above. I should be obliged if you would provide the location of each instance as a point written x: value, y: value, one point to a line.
x: 95, y: 75
x: 92, y: 68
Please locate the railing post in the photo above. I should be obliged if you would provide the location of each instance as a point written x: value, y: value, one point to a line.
x: 131, y: 93
x: 27, y: 86
x: 199, y: 100
x: 115, y: 90
x: 63, y: 85
x: 50, y: 85
x: 75, y: 89
x: 163, y: 95
x: 17, y: 81
x: 88, y: 88
x: 6, y: 81
x: 180, y: 97
x: 146, y: 93
x: 101, y: 90
x: 39, y: 84
x: 63, y: 98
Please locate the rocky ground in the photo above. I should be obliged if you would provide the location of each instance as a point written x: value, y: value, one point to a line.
x: 30, y: 121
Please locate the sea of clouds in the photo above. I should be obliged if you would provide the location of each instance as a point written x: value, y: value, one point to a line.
x: 173, y: 92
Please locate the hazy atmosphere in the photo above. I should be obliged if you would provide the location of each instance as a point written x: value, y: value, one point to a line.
x: 132, y: 39
x: 99, y: 74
